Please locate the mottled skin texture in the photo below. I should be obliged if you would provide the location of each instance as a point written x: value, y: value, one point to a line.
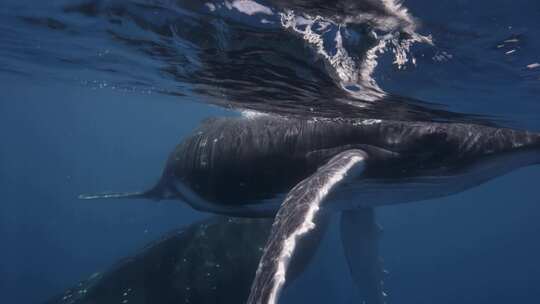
x: 239, y: 161
x: 208, y: 262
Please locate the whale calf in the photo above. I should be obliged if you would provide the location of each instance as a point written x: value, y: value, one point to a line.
x: 302, y: 169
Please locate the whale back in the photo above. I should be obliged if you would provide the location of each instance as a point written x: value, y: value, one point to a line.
x: 237, y: 161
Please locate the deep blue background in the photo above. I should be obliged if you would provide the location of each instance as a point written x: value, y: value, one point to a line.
x: 58, y: 140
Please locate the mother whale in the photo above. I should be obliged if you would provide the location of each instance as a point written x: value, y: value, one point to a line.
x: 300, y: 168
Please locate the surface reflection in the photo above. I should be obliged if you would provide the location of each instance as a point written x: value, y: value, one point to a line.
x: 280, y: 57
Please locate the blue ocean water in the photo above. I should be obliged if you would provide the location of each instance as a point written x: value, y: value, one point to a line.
x: 95, y: 94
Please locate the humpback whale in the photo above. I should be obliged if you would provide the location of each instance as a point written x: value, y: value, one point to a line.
x: 211, y: 261
x: 208, y: 262
x: 299, y: 169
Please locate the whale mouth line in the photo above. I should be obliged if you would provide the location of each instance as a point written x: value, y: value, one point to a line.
x: 266, y: 208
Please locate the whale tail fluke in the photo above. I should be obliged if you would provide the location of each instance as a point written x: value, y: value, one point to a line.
x: 113, y: 195
x: 157, y: 193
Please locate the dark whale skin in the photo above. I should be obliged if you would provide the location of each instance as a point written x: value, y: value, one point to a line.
x: 246, y: 160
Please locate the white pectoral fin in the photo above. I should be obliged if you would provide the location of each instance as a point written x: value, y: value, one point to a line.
x: 296, y: 217
x: 360, y: 238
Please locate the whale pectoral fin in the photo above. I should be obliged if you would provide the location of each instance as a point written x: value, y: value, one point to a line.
x: 307, y: 247
x: 359, y: 236
x: 296, y: 217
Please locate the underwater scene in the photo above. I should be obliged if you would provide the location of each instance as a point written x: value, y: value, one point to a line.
x: 269, y: 151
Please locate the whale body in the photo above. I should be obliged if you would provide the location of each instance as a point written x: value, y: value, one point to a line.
x: 293, y: 168
x: 244, y: 166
